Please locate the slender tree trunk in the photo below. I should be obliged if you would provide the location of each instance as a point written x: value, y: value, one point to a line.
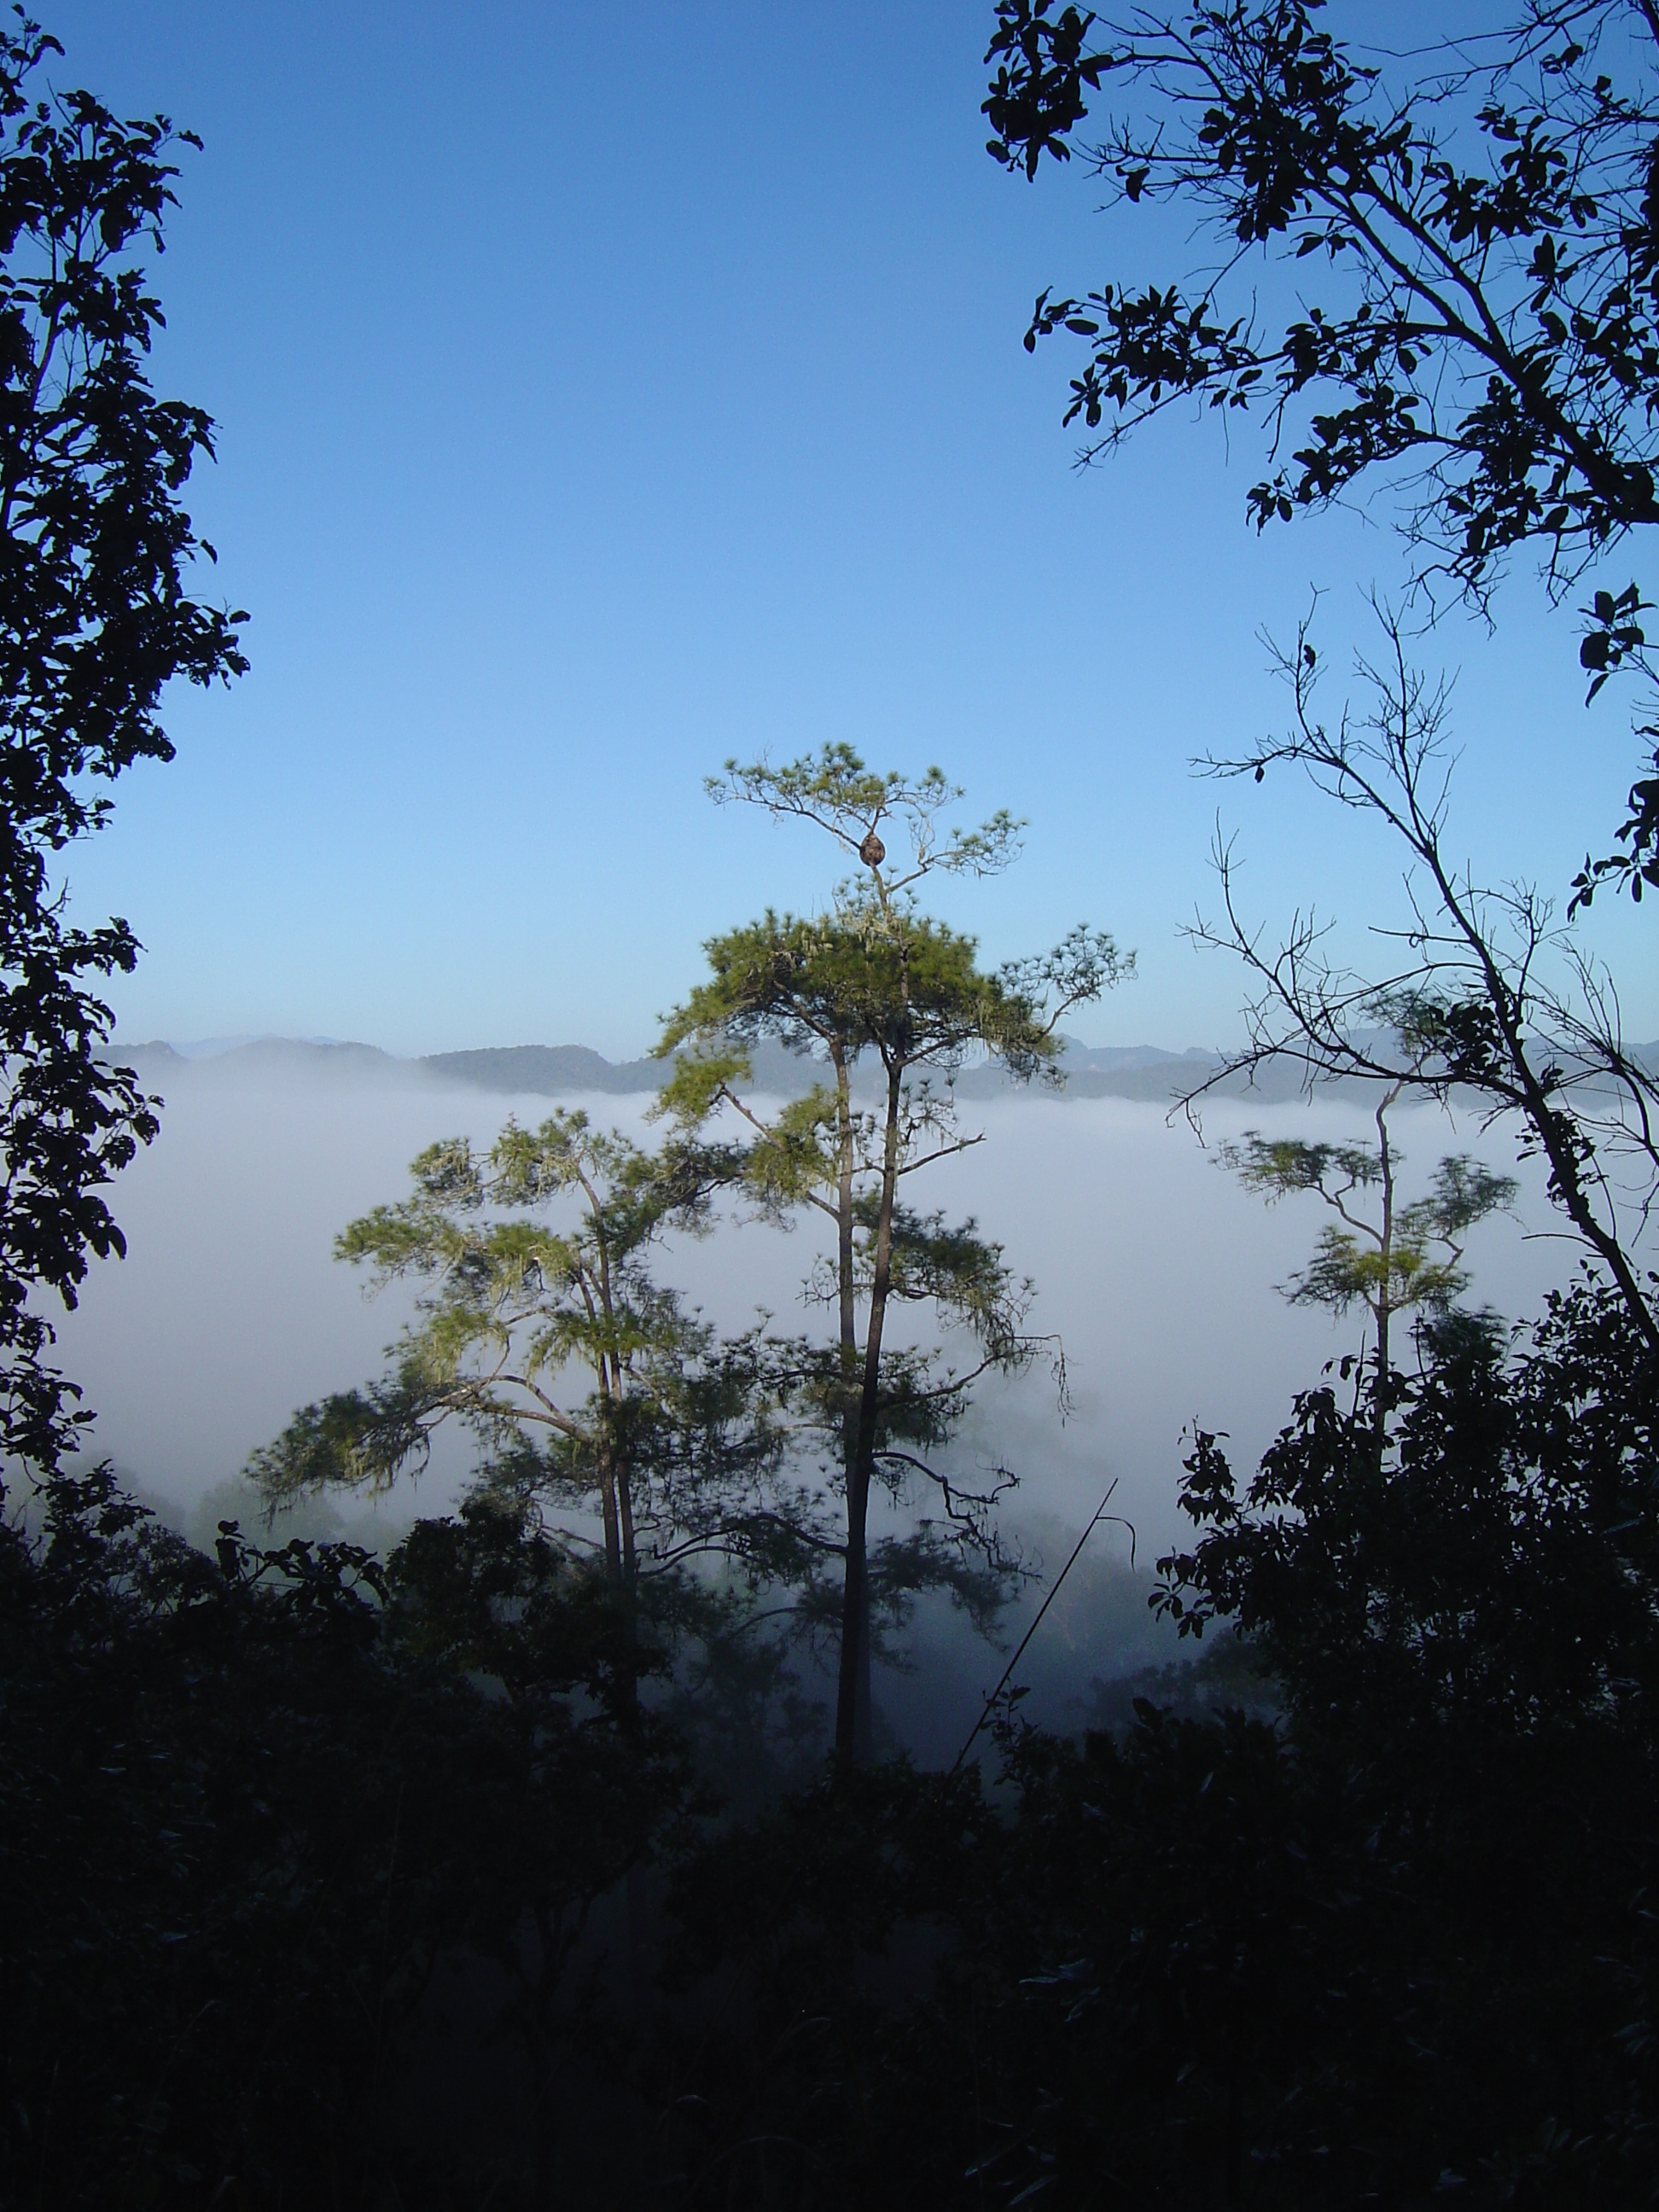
x: 853, y: 1741
x: 621, y: 1570
x: 854, y: 1614
x: 1385, y: 1307
x: 606, y: 1452
x: 625, y: 1520
x: 844, y: 1205
x: 851, y: 1394
x: 613, y: 1563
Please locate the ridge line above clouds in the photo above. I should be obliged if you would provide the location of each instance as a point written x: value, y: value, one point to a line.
x: 1145, y: 1073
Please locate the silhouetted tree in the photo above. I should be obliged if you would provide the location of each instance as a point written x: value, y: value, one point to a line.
x: 96, y: 617
x: 1472, y: 326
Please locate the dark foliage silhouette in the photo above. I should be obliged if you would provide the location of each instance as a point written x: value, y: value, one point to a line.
x: 96, y: 617
x: 1395, y: 1945
x: 1467, y: 328
x: 254, y: 1807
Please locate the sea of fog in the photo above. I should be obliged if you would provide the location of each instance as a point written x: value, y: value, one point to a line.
x: 1152, y: 1268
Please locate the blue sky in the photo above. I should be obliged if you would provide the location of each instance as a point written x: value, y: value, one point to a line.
x: 603, y: 391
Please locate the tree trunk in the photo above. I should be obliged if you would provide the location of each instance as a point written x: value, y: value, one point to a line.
x: 620, y: 1572
x: 853, y: 1713
x: 613, y: 1564
x: 845, y: 1163
x: 855, y: 1619
x: 851, y: 1395
x: 1385, y: 1289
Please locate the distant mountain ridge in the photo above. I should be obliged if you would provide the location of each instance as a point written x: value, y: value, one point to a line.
x: 545, y: 1070
x: 565, y: 1070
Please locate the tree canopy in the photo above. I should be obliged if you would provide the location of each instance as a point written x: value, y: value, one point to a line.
x: 627, y: 1428
x: 1398, y: 1257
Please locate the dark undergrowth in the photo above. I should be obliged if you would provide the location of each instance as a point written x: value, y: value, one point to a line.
x: 325, y: 1880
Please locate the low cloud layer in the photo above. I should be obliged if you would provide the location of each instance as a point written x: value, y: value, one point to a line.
x: 1153, y: 1268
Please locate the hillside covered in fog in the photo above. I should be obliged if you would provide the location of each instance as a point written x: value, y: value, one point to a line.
x: 566, y: 1070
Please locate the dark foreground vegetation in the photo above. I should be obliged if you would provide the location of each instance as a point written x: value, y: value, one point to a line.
x: 326, y: 1881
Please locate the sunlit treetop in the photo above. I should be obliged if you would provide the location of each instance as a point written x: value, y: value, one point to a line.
x: 835, y: 790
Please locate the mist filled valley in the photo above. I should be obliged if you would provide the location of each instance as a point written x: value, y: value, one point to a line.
x: 1158, y: 1276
